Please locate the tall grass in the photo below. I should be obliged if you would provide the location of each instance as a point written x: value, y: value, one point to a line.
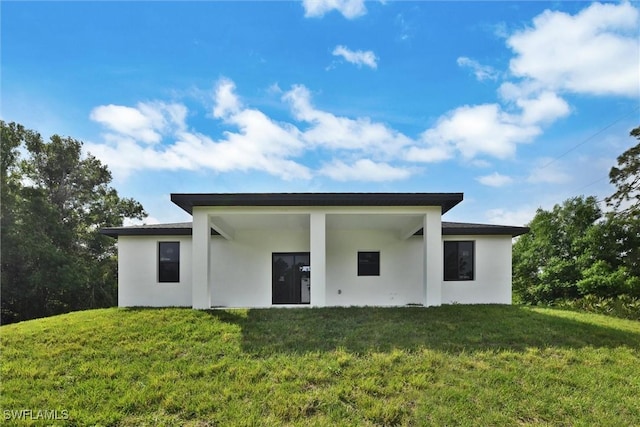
x: 452, y: 365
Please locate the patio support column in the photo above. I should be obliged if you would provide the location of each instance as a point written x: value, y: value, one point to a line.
x: 318, y: 253
x: 200, y: 261
x: 433, y: 261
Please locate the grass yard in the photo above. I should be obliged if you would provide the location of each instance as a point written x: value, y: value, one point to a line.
x: 451, y: 365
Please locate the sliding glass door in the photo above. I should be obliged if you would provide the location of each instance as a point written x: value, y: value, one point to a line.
x: 291, y: 278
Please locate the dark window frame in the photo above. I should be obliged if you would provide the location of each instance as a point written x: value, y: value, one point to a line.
x: 169, y: 268
x: 295, y: 297
x: 459, y: 272
x: 368, y: 263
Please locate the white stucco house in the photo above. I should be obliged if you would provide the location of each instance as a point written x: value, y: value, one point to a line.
x: 314, y: 249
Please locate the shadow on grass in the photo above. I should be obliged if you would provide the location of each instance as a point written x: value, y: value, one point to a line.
x: 453, y: 329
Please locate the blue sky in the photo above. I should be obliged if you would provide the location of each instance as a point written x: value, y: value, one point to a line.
x: 519, y: 105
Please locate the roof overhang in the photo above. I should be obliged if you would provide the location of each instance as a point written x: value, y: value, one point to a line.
x: 466, y: 229
x: 176, y: 229
x: 410, y: 226
x: 188, y: 201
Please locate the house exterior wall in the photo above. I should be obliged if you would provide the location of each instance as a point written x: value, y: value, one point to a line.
x: 138, y: 273
x: 492, y: 281
x: 401, y: 272
x: 241, y: 268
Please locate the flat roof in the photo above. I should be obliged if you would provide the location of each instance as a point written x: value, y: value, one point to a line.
x: 173, y: 229
x: 466, y: 228
x: 187, y: 201
x: 185, y: 229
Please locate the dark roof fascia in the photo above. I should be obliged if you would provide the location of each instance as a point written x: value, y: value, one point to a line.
x: 185, y: 229
x: 463, y: 228
x: 188, y: 201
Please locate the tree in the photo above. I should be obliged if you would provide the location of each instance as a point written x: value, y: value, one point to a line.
x: 626, y: 178
x: 624, y: 222
x: 54, y: 203
x: 546, y: 261
x: 575, y: 250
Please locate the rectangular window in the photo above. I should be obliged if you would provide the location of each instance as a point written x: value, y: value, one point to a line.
x: 368, y: 263
x: 459, y: 260
x: 168, y: 262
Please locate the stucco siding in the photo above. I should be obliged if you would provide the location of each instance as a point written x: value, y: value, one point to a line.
x: 400, y: 280
x: 138, y: 273
x: 492, y: 282
x: 241, y: 268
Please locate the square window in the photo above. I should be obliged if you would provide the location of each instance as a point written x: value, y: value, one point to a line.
x: 459, y: 260
x: 168, y: 262
x: 368, y: 263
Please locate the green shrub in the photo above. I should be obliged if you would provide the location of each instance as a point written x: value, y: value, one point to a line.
x: 624, y: 306
x: 603, y: 281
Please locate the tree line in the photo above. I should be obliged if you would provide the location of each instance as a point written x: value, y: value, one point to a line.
x: 54, y: 200
x: 577, y: 250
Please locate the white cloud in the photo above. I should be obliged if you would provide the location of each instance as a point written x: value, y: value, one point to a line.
x: 548, y: 171
x: 125, y: 155
x: 127, y: 121
x: 511, y: 92
x: 154, y: 135
x: 226, y: 101
x: 545, y: 108
x: 482, y: 72
x: 593, y: 52
x: 500, y: 30
x: 364, y: 170
x: 518, y: 217
x: 350, y: 9
x: 596, y: 51
x: 150, y: 220
x: 474, y: 130
x: 495, y: 180
x: 258, y: 144
x: 436, y: 152
x: 254, y: 141
x: 334, y: 132
x: 357, y: 57
x: 146, y: 122
x: 274, y: 89
x: 480, y: 163
x: 492, y: 129
x: 193, y: 151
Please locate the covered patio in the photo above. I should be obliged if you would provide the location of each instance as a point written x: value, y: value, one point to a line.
x: 234, y: 264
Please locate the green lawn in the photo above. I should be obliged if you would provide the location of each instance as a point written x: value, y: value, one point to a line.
x: 452, y: 365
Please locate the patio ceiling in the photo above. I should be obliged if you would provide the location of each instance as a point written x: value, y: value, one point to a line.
x: 404, y: 224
